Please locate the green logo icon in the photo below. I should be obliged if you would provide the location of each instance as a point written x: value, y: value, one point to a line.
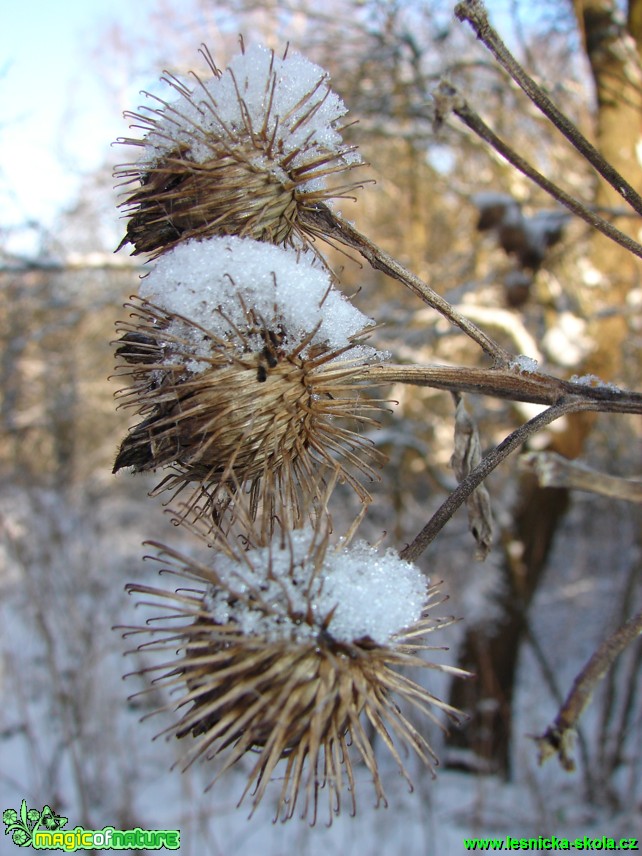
x: 44, y: 830
x: 23, y: 825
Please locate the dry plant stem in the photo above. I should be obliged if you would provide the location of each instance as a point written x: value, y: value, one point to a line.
x: 549, y: 678
x: 553, y: 470
x: 322, y: 220
x: 474, y: 12
x: 556, y: 738
x: 461, y: 109
x: 533, y: 387
x: 488, y: 464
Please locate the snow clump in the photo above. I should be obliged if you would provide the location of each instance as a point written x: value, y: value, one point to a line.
x: 357, y: 592
x: 216, y: 282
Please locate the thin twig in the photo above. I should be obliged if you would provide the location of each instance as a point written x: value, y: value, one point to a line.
x: 500, y: 383
x: 447, y: 99
x: 321, y: 219
x: 553, y: 470
x: 550, y: 679
x: 511, y: 383
x: 617, y: 713
x: 556, y: 739
x: 474, y: 12
x: 488, y: 464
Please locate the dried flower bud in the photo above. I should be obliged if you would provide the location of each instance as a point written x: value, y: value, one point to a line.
x: 239, y: 154
x: 246, y: 364
x: 288, y: 649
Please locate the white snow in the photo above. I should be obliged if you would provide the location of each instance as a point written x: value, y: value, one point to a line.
x: 366, y: 592
x: 524, y: 364
x: 594, y: 381
x: 209, y: 282
x: 288, y: 101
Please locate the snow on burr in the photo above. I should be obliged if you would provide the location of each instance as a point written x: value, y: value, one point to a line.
x: 288, y: 101
x: 357, y: 592
x: 214, y: 282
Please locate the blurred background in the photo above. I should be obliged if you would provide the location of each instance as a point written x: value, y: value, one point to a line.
x: 565, y: 569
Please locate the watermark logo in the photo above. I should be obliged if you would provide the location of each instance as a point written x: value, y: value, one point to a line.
x: 23, y: 825
x: 45, y: 830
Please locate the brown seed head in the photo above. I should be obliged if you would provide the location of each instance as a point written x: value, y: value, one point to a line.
x: 243, y: 153
x: 267, y: 420
x: 266, y: 672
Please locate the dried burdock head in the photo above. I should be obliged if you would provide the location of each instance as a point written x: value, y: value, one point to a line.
x: 242, y: 153
x: 248, y: 370
x: 293, y: 649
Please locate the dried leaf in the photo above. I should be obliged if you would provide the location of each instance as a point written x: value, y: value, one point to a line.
x: 466, y: 456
